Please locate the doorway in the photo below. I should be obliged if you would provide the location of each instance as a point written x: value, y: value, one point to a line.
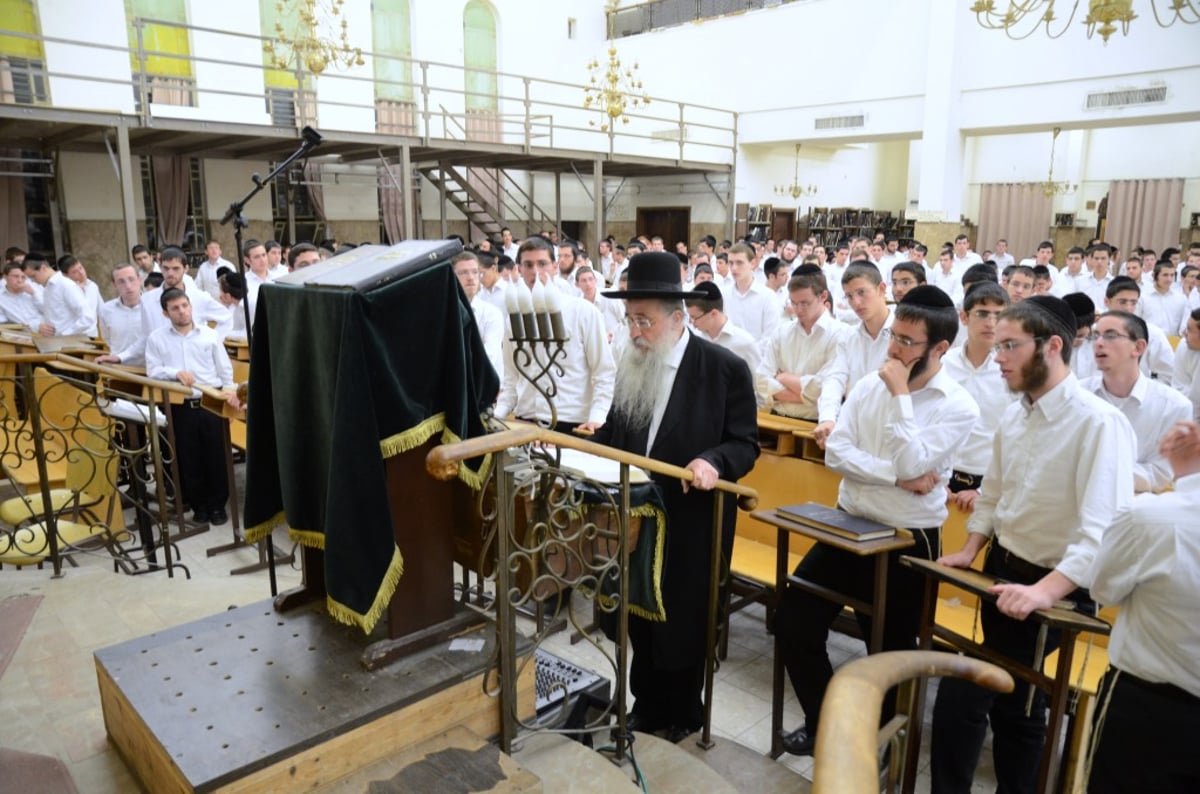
x: 672, y: 224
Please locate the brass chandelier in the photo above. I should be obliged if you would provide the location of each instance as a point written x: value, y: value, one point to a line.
x: 1019, y: 19
x: 1050, y: 188
x: 795, y: 190
x: 299, y: 46
x: 613, y: 89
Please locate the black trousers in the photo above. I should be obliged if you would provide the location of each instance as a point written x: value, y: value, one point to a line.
x: 665, y: 696
x: 200, y: 442
x: 963, y: 709
x: 1147, y: 740
x: 803, y: 619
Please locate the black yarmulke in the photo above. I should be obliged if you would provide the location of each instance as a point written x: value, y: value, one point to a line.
x: 928, y: 295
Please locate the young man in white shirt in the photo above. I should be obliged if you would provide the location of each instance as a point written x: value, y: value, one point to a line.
x: 893, y: 446
x: 568, y: 260
x: 749, y: 304
x: 1073, y: 277
x: 193, y: 355
x: 492, y: 288
x: 1099, y: 262
x: 705, y: 311
x: 1186, y: 377
x: 613, y: 311
x: 121, y: 317
x: 276, y: 269
x: 795, y: 358
x: 1001, y: 256
x: 1119, y: 340
x: 1149, y: 565
x: 508, y: 246
x: 585, y: 387
x: 1083, y: 361
x: 973, y: 366
x: 19, y: 303
x: 70, y: 266
x: 1162, y: 305
x: 964, y: 257
x: 206, y: 273
x: 861, y: 349
x: 1124, y: 294
x: 1021, y: 282
x: 947, y: 276
x: 63, y: 305
x: 490, y: 321
x: 1062, y: 466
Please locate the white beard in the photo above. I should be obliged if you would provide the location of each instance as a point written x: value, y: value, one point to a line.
x: 640, y: 374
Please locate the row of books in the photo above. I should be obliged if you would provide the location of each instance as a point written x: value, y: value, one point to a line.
x: 760, y: 213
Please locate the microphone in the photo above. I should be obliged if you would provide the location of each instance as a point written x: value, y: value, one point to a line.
x: 312, y: 138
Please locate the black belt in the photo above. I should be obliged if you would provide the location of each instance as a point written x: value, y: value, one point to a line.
x: 1158, y: 688
x: 192, y: 402
x: 1021, y: 568
x: 961, y: 481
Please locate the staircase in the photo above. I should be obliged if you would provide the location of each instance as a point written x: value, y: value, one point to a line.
x: 459, y: 760
x: 486, y: 196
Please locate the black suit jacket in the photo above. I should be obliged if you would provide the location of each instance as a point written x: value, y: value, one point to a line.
x: 711, y: 414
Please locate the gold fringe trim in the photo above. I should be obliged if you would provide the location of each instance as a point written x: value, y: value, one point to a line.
x: 473, y: 480
x: 309, y: 538
x: 344, y: 614
x: 413, y: 437
x: 258, y: 532
x: 608, y: 601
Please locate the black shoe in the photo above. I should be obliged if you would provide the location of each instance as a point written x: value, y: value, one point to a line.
x: 218, y: 516
x: 636, y: 722
x: 677, y: 733
x: 200, y: 516
x: 799, y: 742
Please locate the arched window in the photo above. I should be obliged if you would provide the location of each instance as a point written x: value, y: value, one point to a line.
x: 479, y: 55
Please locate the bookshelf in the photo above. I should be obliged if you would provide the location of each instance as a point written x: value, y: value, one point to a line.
x: 833, y: 225
x: 753, y: 218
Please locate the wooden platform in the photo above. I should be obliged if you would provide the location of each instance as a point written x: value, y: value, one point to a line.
x: 255, y: 700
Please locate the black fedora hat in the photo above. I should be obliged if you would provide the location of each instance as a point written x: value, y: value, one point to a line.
x: 653, y: 275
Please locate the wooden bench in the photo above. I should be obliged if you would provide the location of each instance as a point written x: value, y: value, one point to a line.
x: 780, y: 434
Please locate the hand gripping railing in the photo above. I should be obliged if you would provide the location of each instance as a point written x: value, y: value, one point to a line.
x: 443, y: 463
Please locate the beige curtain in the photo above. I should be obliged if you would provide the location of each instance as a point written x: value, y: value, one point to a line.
x: 1144, y: 212
x: 172, y: 183
x: 13, y: 230
x: 1017, y: 212
x: 316, y: 193
x: 392, y: 202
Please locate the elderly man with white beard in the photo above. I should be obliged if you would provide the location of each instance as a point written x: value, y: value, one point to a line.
x: 683, y: 400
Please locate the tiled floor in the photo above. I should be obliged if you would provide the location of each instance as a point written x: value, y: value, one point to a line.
x: 49, y: 702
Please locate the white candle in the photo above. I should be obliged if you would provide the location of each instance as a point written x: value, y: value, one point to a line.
x: 512, y: 305
x: 525, y: 299
x: 554, y: 310
x: 539, y: 310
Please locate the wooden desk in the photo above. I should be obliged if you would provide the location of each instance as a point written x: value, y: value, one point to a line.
x: 877, y: 609
x: 1065, y: 620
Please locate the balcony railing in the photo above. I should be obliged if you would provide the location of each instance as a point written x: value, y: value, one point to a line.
x: 229, y: 83
x: 658, y: 14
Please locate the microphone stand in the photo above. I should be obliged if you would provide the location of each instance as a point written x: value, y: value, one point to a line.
x: 310, y: 139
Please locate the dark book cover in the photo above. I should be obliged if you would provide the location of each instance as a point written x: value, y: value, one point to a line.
x: 836, y: 521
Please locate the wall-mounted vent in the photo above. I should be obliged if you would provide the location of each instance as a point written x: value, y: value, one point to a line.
x: 1129, y: 96
x: 840, y: 122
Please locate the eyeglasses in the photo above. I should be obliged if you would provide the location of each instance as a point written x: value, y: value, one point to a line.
x: 1107, y: 336
x: 904, y: 341
x: 1009, y: 345
x: 640, y: 322
x: 984, y: 314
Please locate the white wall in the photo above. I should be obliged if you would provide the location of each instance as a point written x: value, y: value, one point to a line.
x: 91, y: 189
x: 91, y: 77
x: 226, y: 181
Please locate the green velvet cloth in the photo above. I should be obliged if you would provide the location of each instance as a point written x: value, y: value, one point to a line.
x: 340, y: 380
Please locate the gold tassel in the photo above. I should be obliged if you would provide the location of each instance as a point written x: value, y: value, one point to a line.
x: 413, y: 437
x: 256, y: 533
x: 344, y: 614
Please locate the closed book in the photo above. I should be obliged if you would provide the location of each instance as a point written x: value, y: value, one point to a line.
x: 839, y: 522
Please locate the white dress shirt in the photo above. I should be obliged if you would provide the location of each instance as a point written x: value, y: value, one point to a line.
x: 965, y: 262
x: 64, y: 307
x: 664, y: 388
x: 756, y: 310
x: 949, y: 283
x: 1096, y: 289
x: 807, y: 355
x: 1167, y: 311
x: 495, y: 295
x: 21, y: 307
x: 92, y: 300
x: 989, y: 391
x: 1151, y: 408
x: 1065, y: 284
x: 1061, y: 469
x: 613, y: 312
x: 204, y: 310
x: 121, y: 327
x: 739, y: 342
x: 1149, y: 565
x: 881, y: 439
x: 200, y: 352
x: 585, y: 389
x: 1186, y: 378
x: 206, y: 275
x: 493, y: 328
x: 1159, y: 359
x: 857, y: 354
x: 1003, y: 260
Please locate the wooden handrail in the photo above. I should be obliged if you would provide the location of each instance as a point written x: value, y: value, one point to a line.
x: 443, y: 461
x: 116, y: 371
x: 847, y: 751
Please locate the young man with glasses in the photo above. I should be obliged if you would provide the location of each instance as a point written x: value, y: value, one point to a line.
x: 973, y: 366
x: 1062, y: 468
x: 893, y: 446
x: 1124, y: 295
x: 1119, y: 341
x: 795, y: 358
